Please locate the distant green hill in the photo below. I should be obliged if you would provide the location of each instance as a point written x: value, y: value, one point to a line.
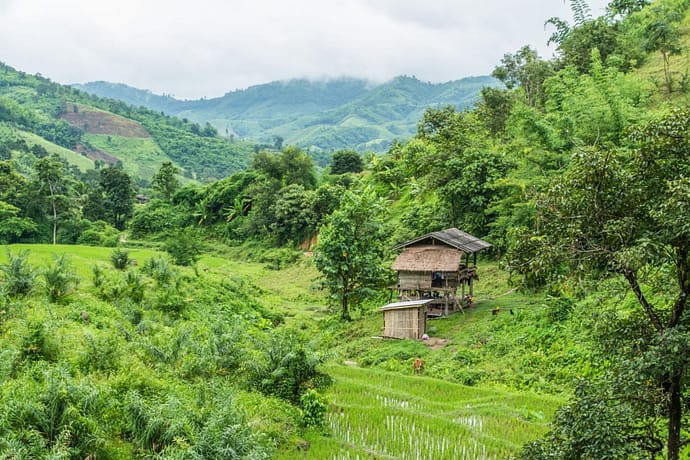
x: 318, y: 115
x: 85, y: 128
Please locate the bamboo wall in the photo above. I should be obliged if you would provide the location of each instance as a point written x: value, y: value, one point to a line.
x: 414, y: 280
x: 407, y: 323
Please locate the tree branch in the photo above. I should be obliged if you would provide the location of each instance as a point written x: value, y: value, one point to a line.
x: 631, y: 277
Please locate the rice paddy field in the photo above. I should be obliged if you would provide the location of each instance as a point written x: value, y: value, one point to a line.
x: 375, y: 414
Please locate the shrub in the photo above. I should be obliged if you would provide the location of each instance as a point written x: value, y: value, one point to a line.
x: 285, y: 367
x: 19, y: 276
x: 99, y: 234
x: 136, y: 285
x: 37, y: 345
x: 159, y: 269
x: 313, y: 409
x: 120, y: 259
x: 60, y: 279
x: 101, y: 354
x: 184, y: 247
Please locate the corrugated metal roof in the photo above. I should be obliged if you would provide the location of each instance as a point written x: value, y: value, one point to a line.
x: 452, y: 237
x: 428, y: 259
x: 407, y: 304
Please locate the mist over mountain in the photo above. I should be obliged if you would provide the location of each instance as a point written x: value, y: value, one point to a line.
x: 320, y: 115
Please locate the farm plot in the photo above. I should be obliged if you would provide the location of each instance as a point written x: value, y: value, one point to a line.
x: 376, y: 414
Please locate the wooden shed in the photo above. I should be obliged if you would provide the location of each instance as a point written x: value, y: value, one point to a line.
x: 405, y: 320
x: 435, y: 266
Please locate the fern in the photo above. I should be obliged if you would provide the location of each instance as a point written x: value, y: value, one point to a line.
x: 581, y: 12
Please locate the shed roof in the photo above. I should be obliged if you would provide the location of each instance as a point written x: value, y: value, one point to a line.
x: 428, y: 259
x: 407, y: 304
x: 451, y: 237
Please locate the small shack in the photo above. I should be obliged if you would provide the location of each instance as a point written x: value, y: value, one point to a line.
x: 435, y: 266
x: 405, y: 320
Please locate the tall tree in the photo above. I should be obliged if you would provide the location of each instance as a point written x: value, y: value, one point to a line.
x: 527, y: 70
x: 118, y: 194
x: 351, y: 249
x: 165, y: 180
x: 54, y: 184
x: 625, y: 214
x: 346, y: 161
x: 661, y: 33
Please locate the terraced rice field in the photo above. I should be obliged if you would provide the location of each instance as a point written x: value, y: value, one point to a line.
x: 380, y: 415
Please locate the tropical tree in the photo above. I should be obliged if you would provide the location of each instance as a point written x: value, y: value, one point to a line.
x: 624, y: 214
x: 346, y: 161
x: 118, y: 191
x: 53, y: 183
x: 165, y: 180
x: 351, y: 249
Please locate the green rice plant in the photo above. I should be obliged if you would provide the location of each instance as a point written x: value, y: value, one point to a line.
x: 386, y: 415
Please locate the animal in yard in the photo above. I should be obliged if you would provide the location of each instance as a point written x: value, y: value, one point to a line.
x: 495, y: 311
x: 85, y: 316
x: 418, y: 366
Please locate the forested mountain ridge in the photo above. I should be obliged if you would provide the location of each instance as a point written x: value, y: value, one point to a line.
x: 85, y: 129
x: 324, y: 115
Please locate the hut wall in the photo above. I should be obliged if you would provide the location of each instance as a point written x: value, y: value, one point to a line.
x: 414, y: 280
x: 407, y: 323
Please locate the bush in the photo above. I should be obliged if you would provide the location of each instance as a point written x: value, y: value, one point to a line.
x: 101, y: 354
x: 184, y: 247
x: 99, y: 234
x: 285, y: 367
x: 120, y: 259
x: 60, y: 279
x: 37, y: 345
x: 313, y: 409
x: 19, y: 276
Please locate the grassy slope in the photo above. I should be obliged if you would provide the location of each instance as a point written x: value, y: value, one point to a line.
x: 70, y: 156
x: 141, y: 157
x: 377, y: 407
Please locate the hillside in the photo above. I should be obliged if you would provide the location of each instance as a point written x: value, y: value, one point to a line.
x: 74, y: 124
x: 322, y: 115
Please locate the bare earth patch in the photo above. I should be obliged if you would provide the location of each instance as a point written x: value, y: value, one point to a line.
x: 436, y: 343
x: 94, y: 121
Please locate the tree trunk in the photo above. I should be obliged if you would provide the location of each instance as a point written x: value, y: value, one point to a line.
x: 345, y: 313
x: 675, y: 413
x: 54, y: 223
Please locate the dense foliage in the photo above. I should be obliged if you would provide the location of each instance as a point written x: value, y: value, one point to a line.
x: 576, y: 171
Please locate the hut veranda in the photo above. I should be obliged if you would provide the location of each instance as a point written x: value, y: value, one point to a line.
x: 436, y: 274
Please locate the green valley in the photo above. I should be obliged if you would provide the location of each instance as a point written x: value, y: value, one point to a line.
x: 402, y: 271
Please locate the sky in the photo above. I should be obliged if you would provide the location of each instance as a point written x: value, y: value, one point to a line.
x: 206, y: 48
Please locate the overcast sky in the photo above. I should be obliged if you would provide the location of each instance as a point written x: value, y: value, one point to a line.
x: 205, y: 48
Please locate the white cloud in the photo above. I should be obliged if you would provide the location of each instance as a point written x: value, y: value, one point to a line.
x: 209, y: 47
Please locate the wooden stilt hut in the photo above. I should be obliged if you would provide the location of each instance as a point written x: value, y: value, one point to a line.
x: 436, y: 266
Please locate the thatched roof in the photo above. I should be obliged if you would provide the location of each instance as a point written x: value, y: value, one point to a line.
x: 449, y: 237
x: 428, y: 259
